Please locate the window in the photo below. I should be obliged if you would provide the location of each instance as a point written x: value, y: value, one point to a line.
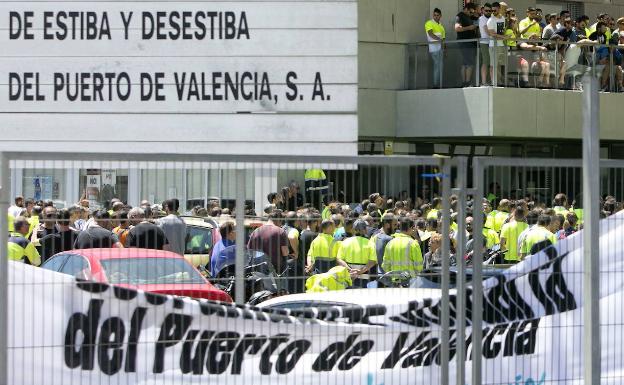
x: 100, y: 185
x: 74, y: 265
x: 144, y: 271
x: 43, y: 184
x: 55, y: 263
x: 199, y: 240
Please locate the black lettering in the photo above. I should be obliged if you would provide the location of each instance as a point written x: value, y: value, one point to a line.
x: 111, y: 340
x: 243, y: 28
x: 251, y: 344
x: 525, y: 339
x: 318, y: 87
x: 265, y: 360
x: 14, y: 91
x: 218, y: 357
x: 126, y: 22
x: 291, y: 86
x: 148, y: 19
x: 288, y: 358
x: 330, y: 356
x: 136, y: 323
x: 557, y: 289
x: 87, y: 324
x: 172, y: 330
x: 492, y: 348
x: 195, y: 363
x: 355, y: 354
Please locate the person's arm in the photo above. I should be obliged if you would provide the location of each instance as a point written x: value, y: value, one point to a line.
x: 32, y: 254
x: 309, y: 262
x: 459, y: 28
x: 115, y: 241
x: 284, y: 244
x: 529, y: 25
x: 294, y: 244
x: 433, y: 36
x: 492, y: 33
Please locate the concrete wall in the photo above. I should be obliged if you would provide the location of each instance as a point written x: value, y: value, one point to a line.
x: 501, y: 112
x: 444, y: 113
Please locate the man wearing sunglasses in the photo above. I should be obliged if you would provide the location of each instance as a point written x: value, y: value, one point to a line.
x: 484, y: 43
x: 47, y: 226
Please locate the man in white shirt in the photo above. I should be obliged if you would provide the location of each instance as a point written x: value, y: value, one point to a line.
x: 16, y: 209
x: 484, y: 43
x: 498, y: 51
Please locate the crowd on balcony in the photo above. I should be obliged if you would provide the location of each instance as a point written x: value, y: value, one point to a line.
x: 544, y: 51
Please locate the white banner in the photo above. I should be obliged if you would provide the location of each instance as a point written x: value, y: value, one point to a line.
x: 66, y: 332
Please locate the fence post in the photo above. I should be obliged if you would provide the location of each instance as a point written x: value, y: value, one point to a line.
x: 240, y: 236
x: 5, y: 191
x: 591, y: 245
x: 477, y: 264
x: 460, y: 350
x: 445, y: 167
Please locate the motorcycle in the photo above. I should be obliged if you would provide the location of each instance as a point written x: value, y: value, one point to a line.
x: 259, y: 275
x: 492, y: 256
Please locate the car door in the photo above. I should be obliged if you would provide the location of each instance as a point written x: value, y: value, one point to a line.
x: 198, y: 245
x: 55, y: 263
x: 77, y: 266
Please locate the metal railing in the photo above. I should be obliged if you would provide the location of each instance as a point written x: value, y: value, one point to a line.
x: 551, y: 64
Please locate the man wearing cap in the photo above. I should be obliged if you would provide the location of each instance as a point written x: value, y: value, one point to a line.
x: 357, y: 254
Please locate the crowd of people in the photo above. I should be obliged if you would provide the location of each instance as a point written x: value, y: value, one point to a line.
x: 38, y: 230
x: 377, y: 235
x: 537, y: 47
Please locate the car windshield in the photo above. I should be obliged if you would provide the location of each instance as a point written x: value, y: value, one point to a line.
x: 143, y: 271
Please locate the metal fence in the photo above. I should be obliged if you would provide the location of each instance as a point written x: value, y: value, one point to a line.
x: 521, y: 64
x: 419, y: 341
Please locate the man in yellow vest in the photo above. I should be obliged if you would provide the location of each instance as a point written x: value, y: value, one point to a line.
x: 510, y: 233
x: 19, y: 247
x: 316, y: 186
x: 436, y: 34
x: 358, y: 254
x: 323, y: 250
x: 403, y: 251
x: 535, y: 235
x: 501, y: 215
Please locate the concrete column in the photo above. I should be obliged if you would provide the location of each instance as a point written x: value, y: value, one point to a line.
x: 265, y: 181
x: 72, y: 186
x: 134, y: 187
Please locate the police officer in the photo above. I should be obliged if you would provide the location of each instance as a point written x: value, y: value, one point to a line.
x: 357, y: 254
x: 19, y: 247
x: 403, y: 251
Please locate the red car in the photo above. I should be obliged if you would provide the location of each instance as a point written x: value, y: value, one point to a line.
x: 155, y: 271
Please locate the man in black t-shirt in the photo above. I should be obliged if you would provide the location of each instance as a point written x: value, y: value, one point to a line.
x: 466, y: 29
x: 312, y: 221
x: 63, y: 240
x: 144, y: 234
x: 96, y: 236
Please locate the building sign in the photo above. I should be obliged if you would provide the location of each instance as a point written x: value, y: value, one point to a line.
x: 126, y: 75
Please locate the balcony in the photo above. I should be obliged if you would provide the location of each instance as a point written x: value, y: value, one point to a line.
x: 509, y: 109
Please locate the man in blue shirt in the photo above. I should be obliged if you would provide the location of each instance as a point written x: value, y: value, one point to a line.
x: 228, y: 238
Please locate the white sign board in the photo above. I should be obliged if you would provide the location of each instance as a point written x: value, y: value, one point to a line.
x: 85, y: 332
x: 219, y: 76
